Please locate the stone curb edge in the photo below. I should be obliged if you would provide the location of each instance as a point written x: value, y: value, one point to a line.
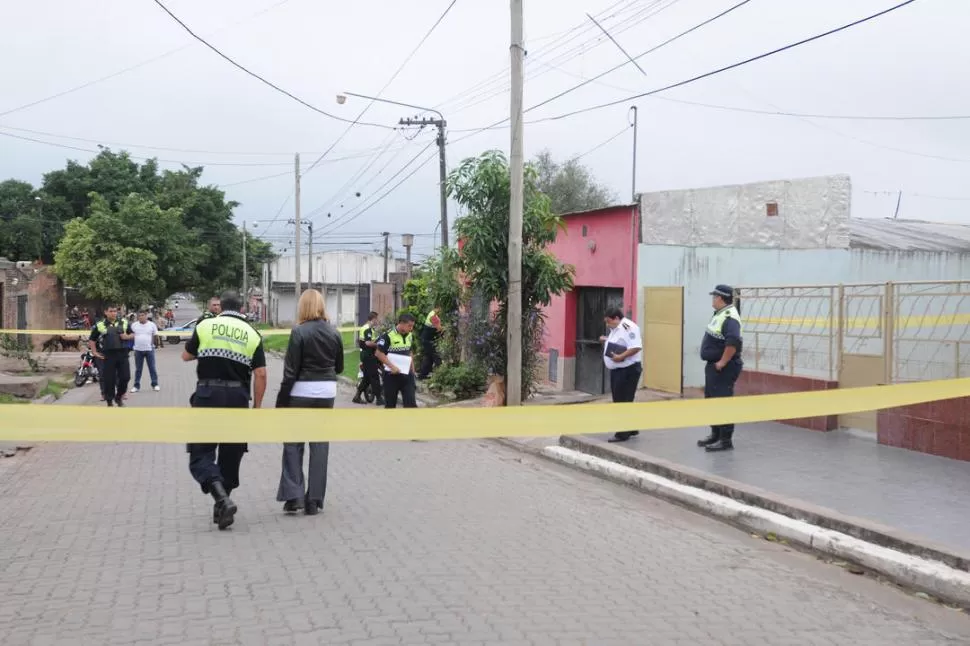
x: 932, y: 576
x: 794, y: 509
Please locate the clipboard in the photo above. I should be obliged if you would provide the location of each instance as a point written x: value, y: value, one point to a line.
x: 614, y: 348
x: 401, y: 361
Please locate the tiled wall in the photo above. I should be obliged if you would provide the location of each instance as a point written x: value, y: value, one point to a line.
x: 940, y: 428
x: 766, y: 383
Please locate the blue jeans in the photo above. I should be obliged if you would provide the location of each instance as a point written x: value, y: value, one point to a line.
x: 141, y: 356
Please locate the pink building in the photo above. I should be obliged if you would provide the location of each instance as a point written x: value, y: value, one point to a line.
x: 602, y: 246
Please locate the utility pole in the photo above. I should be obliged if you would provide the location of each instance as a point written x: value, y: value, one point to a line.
x: 442, y: 169
x: 298, y: 282
x: 633, y: 185
x: 408, y: 241
x: 513, y: 386
x: 245, y: 282
x: 899, y: 199
x: 386, y: 252
x: 268, y: 296
x: 309, y: 226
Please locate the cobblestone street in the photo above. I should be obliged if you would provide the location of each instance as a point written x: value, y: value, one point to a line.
x: 420, y: 543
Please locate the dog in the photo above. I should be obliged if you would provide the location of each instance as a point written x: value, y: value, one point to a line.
x: 70, y: 344
x: 60, y: 343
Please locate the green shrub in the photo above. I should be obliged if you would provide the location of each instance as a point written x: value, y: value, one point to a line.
x: 465, y: 380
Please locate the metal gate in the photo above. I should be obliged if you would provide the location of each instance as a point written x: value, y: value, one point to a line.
x: 591, y: 306
x: 663, y: 339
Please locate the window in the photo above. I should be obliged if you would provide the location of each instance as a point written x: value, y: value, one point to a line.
x: 772, y: 209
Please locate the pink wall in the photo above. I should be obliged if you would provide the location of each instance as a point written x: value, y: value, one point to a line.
x: 611, y: 263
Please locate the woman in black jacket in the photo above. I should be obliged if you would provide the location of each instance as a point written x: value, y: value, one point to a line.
x: 314, y: 358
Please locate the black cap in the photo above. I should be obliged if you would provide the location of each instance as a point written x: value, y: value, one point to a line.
x: 724, y: 291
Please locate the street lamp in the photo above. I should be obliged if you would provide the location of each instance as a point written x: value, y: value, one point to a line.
x: 439, y: 123
x: 407, y: 239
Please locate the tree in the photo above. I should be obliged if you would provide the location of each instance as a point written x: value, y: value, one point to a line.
x: 482, y: 186
x: 135, y: 254
x: 570, y: 185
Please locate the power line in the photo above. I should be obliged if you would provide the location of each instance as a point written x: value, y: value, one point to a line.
x: 725, y: 68
x: 257, y: 76
x: 135, y: 66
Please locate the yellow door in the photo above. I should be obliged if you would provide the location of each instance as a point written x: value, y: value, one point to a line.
x: 663, y: 339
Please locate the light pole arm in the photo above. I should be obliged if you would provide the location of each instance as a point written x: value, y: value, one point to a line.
x: 403, y: 105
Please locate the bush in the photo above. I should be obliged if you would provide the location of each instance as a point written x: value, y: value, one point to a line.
x: 465, y: 380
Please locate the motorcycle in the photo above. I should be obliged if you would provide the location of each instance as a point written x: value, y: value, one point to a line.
x: 86, y: 371
x: 369, y: 392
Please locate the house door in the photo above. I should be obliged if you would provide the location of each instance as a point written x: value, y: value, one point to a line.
x: 591, y: 305
x: 22, y: 318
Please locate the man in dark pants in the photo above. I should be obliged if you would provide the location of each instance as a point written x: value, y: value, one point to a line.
x: 622, y: 356
x: 721, y: 350
x: 367, y: 342
x: 396, y: 351
x: 231, y: 358
x: 109, y: 342
x: 430, y: 359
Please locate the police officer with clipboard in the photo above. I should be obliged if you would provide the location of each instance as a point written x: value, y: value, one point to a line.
x: 622, y: 356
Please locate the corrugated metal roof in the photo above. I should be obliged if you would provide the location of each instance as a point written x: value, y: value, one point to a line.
x: 908, y: 235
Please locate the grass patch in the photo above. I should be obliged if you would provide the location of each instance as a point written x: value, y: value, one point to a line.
x: 278, y: 343
x: 57, y: 389
x: 10, y: 399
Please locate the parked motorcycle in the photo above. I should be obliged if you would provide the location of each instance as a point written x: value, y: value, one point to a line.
x: 369, y: 392
x: 87, y: 371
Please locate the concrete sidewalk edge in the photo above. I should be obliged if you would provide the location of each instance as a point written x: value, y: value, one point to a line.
x: 859, y: 528
x: 931, y: 576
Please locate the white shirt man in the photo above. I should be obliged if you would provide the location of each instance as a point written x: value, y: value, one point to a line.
x: 145, y: 332
x: 622, y: 354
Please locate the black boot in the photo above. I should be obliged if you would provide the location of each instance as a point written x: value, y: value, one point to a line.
x: 723, y: 444
x: 713, y: 438
x: 358, y: 397
x: 623, y: 436
x: 215, y: 508
x: 225, y: 509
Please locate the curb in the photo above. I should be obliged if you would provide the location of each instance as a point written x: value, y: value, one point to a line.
x: 858, y: 528
x: 931, y: 576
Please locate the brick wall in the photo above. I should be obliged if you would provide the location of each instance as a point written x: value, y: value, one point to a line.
x: 940, y: 428
x: 766, y: 383
x: 45, y: 299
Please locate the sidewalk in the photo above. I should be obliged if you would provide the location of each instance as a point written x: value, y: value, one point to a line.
x: 922, y: 495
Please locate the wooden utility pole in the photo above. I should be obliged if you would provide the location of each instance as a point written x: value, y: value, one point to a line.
x: 513, y: 387
x: 440, y: 124
x: 386, y: 252
x: 245, y: 284
x: 298, y: 278
x: 309, y: 228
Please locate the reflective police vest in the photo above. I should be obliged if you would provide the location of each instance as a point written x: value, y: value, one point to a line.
x: 398, y: 343
x: 227, y: 337
x: 428, y: 322
x: 111, y: 340
x: 362, y: 337
x: 717, y: 323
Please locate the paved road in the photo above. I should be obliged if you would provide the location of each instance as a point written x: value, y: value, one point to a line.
x: 420, y: 543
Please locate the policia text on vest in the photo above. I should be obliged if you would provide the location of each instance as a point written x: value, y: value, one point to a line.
x: 399, y: 342
x: 230, y: 356
x: 721, y: 351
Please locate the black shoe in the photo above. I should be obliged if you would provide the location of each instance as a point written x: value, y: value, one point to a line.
x: 292, y: 506
x: 110, y: 403
x: 313, y: 507
x: 723, y: 444
x: 215, y: 509
x: 623, y: 436
x: 119, y: 402
x: 380, y: 402
x: 357, y: 399
x: 225, y: 510
x: 713, y: 438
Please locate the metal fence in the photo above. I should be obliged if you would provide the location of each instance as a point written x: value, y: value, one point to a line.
x: 921, y: 330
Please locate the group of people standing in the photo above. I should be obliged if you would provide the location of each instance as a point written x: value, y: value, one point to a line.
x: 112, y: 340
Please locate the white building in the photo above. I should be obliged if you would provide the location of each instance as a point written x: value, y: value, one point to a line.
x: 346, y: 279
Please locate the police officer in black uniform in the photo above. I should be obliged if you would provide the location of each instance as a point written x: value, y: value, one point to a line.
x: 398, y: 341
x: 721, y: 350
x: 109, y: 341
x: 231, y: 355
x: 367, y: 342
x: 215, y: 307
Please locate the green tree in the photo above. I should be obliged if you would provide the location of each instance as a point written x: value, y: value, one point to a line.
x: 570, y: 186
x: 481, y: 185
x: 134, y: 254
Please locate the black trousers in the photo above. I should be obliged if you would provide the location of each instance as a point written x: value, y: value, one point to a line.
x: 293, y: 486
x: 623, y: 386
x: 210, y: 463
x: 404, y: 384
x: 372, y: 379
x: 116, y: 374
x: 430, y: 359
x: 721, y: 384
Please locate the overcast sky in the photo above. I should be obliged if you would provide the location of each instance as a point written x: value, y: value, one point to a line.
x: 910, y: 62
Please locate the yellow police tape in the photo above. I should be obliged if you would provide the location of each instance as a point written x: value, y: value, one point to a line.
x: 184, y: 425
x: 161, y: 333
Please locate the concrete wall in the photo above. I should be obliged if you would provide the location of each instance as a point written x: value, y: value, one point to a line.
x: 812, y: 214
x: 45, y: 299
x: 698, y: 269
x: 340, y: 301
x: 336, y: 268
x: 602, y: 246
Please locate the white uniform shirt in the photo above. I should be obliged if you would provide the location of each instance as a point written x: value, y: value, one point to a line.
x: 626, y: 335
x: 144, y: 333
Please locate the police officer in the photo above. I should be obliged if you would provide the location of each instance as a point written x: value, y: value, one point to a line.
x: 367, y: 342
x: 622, y: 356
x: 429, y: 351
x: 398, y: 342
x: 721, y: 350
x: 109, y: 341
x: 215, y: 306
x: 231, y: 355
